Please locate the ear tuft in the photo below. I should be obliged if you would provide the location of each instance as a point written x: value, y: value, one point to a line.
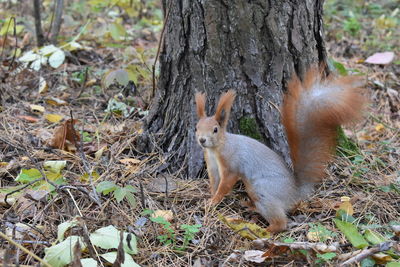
x: 224, y: 107
x: 200, y: 99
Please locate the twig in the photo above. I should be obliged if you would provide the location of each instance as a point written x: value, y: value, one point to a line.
x: 30, y: 253
x: 160, y: 42
x: 4, y: 41
x: 84, y: 225
x: 264, y: 242
x: 85, y: 161
x: 368, y: 252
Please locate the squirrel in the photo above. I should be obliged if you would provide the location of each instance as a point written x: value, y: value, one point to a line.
x: 312, y: 111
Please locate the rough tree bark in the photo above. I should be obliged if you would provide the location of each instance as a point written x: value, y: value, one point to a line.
x: 215, y: 45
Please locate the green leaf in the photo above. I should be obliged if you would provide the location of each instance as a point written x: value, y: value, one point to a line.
x: 57, y: 58
x: 119, y: 194
x: 119, y: 76
x: 367, y: 262
x: 63, y: 227
x: 61, y: 254
x: 106, y: 187
x: 108, y: 237
x: 48, y: 50
x: 117, y: 31
x: 374, y: 237
x: 147, y: 212
x: 130, y: 188
x: 393, y: 264
x: 351, y: 233
x: 112, y: 256
x: 29, y: 57
x: 89, y: 262
x: 28, y: 175
x: 131, y: 199
x: 55, y: 165
x: 327, y: 256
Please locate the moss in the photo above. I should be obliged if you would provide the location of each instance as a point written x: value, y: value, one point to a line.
x: 248, y: 127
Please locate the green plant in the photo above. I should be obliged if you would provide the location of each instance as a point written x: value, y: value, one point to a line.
x: 119, y: 192
x: 170, y: 237
x: 190, y: 232
x: 352, y: 25
x: 325, y: 257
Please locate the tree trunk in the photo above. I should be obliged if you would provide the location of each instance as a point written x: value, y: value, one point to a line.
x: 216, y: 45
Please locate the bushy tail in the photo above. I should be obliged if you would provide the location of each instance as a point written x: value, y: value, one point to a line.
x: 312, y: 111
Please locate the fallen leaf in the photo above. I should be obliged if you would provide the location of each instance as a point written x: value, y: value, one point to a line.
x: 351, y: 233
x: 346, y: 206
x: 65, y: 136
x: 245, y: 229
x: 100, y: 152
x: 53, y: 118
x: 166, y: 214
x: 37, y: 109
x: 56, y: 101
x: 129, y: 161
x: 254, y: 256
x: 28, y: 118
x: 379, y: 127
x: 43, y: 87
x: 380, y: 58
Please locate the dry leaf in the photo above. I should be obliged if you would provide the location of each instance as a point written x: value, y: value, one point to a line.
x: 100, y: 152
x: 43, y: 87
x: 65, y: 137
x: 37, y: 109
x: 379, y: 127
x: 246, y: 229
x: 130, y: 161
x: 28, y: 118
x: 166, y: 214
x: 254, y: 256
x: 53, y: 118
x: 56, y: 101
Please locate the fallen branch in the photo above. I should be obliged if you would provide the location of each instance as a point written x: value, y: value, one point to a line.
x: 364, y: 253
x: 262, y: 243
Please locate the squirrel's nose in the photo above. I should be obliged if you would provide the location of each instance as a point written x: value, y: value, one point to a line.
x: 202, y: 140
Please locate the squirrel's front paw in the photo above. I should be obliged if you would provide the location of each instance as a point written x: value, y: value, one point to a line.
x: 214, y: 201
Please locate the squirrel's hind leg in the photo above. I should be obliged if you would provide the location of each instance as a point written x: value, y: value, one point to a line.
x: 275, y: 215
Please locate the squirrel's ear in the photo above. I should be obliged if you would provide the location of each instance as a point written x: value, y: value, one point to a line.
x: 224, y: 107
x: 200, y: 99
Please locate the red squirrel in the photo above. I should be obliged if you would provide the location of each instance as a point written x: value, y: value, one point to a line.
x: 312, y: 111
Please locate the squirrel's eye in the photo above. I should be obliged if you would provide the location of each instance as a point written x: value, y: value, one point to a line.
x: 215, y: 129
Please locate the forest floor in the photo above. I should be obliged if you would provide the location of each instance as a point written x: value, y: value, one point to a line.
x: 50, y: 198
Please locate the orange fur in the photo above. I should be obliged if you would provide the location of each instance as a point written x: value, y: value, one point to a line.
x: 200, y: 99
x: 312, y: 139
x: 224, y: 107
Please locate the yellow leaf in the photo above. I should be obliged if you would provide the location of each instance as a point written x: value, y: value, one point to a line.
x: 379, y: 127
x: 55, y: 101
x: 100, y: 152
x: 346, y: 205
x: 90, y: 82
x: 53, y: 118
x: 245, y: 229
x: 166, y: 214
x: 37, y: 109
